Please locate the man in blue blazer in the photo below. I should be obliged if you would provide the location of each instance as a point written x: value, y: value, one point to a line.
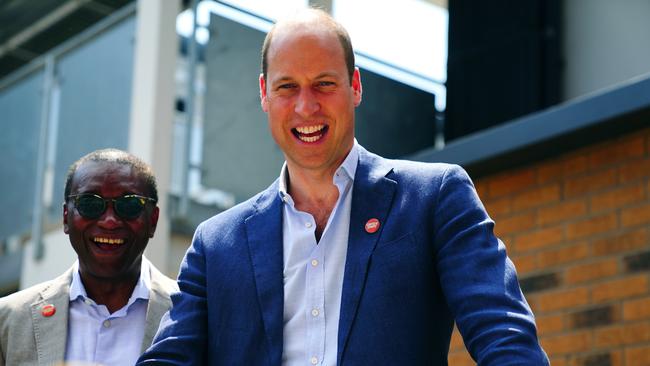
x: 348, y: 258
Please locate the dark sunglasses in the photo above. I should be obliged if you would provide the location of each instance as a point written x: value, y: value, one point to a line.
x: 92, y: 206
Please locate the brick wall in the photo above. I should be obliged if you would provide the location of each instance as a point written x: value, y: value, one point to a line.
x: 578, y: 230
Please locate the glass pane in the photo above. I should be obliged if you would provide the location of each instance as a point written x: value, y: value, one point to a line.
x: 20, y: 106
x: 409, y: 34
x: 95, y: 100
x: 239, y: 155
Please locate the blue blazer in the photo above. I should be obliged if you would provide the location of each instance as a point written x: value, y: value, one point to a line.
x: 434, y: 260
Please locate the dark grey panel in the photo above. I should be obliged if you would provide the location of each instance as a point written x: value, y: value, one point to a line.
x: 553, y: 131
x: 239, y: 155
x: 504, y: 62
x: 394, y: 119
x: 20, y: 115
x: 95, y: 81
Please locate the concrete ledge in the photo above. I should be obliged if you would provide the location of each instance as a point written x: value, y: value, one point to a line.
x: 579, y: 122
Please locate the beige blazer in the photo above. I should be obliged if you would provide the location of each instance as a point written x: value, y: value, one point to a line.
x: 27, y: 337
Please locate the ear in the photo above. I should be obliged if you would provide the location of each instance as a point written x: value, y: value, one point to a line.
x: 65, y: 218
x: 356, y: 86
x: 153, y: 221
x: 263, y: 96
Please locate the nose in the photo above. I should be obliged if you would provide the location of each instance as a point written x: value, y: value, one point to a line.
x: 307, y: 104
x: 109, y: 219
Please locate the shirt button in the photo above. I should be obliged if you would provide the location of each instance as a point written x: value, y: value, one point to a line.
x: 106, y: 323
x: 314, y: 262
x: 314, y: 312
x: 313, y: 360
x: 88, y: 302
x: 307, y: 224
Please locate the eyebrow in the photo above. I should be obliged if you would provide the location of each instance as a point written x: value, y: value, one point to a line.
x: 322, y: 75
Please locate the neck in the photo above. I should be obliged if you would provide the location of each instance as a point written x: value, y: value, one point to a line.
x: 111, y: 292
x: 309, y: 186
x: 313, y: 193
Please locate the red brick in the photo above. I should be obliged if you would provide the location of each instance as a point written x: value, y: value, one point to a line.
x: 563, y: 255
x: 622, y: 334
x: 567, y: 343
x: 550, y: 171
x: 508, y: 242
x: 637, y: 356
x: 591, y: 271
x: 549, y: 324
x: 591, y: 226
x: 562, y: 212
x: 618, y: 197
x: 511, y: 182
x: 598, y: 316
x: 636, y: 215
x: 590, y: 183
x: 597, y: 358
x: 533, y: 299
x: 536, y: 197
x: 624, y: 149
x: 621, y: 243
x: 563, y: 299
x: 499, y: 207
x: 634, y: 170
x: 543, y: 238
x: 636, y: 309
x: 481, y: 189
x: 460, y: 359
x: 617, y: 358
x: 621, y: 288
x: 513, y: 224
x: 456, y: 343
x: 575, y: 164
x: 557, y: 361
x: 525, y: 263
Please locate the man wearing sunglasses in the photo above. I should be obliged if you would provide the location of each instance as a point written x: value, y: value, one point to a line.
x: 106, y: 308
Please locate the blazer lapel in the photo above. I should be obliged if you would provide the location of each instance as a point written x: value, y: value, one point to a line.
x: 50, y: 332
x: 372, y: 197
x: 157, y: 306
x: 264, y: 232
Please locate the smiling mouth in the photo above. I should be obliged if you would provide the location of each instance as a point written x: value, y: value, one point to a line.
x: 310, y: 133
x: 109, y: 241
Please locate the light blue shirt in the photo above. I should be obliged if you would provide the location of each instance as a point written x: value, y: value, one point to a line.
x: 313, y: 273
x: 97, y: 337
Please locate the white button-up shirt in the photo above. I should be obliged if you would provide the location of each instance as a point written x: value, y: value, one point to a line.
x: 313, y: 273
x: 97, y: 337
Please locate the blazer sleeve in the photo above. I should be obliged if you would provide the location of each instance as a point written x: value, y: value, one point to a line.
x: 479, y: 280
x: 181, y: 337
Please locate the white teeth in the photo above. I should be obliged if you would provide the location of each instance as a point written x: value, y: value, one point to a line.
x: 310, y: 129
x: 310, y: 139
x: 109, y: 241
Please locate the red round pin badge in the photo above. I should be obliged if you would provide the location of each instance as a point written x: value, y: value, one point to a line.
x: 372, y: 226
x: 48, y: 310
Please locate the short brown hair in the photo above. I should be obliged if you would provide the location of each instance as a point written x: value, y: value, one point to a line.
x: 339, y: 30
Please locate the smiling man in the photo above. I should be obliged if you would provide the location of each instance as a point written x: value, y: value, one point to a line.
x: 107, y: 307
x: 348, y: 258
